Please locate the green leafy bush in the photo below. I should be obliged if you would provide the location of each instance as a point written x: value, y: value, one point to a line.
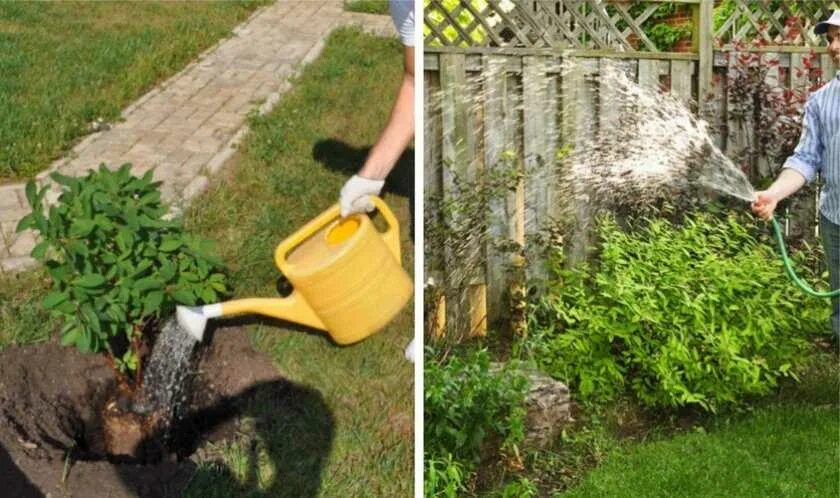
x: 664, y: 36
x: 465, y: 402
x: 692, y: 314
x: 115, y: 262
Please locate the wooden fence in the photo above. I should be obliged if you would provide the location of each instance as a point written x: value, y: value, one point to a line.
x: 518, y: 62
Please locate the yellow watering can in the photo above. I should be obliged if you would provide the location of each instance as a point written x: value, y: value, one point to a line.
x: 347, y: 279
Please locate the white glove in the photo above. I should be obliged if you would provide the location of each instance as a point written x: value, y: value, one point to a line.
x: 355, y: 195
x: 409, y: 351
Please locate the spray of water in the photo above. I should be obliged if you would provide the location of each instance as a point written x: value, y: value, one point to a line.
x: 653, y: 144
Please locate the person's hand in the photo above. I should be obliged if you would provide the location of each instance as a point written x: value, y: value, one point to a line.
x: 355, y: 195
x: 764, y: 204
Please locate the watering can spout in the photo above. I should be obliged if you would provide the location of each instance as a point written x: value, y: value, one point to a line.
x: 293, y: 309
x: 193, y: 319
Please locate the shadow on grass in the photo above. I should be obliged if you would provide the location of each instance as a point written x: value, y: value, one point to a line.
x: 291, y: 433
x: 339, y: 156
x: 13, y: 480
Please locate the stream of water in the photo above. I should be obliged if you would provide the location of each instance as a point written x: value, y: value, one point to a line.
x: 167, y: 375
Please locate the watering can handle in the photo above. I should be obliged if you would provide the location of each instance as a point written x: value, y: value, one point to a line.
x: 304, y: 233
x: 391, y: 235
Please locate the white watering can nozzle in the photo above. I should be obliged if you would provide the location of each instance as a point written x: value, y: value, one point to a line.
x: 193, y: 319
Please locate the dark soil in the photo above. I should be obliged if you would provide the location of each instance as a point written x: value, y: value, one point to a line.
x: 52, y: 401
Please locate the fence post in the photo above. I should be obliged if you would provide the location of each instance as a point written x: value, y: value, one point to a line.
x: 704, y: 45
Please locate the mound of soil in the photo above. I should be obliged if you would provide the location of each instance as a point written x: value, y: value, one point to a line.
x: 52, y: 400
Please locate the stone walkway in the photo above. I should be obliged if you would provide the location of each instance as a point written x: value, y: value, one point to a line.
x: 188, y: 126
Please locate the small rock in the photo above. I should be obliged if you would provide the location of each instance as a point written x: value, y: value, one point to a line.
x: 547, y: 405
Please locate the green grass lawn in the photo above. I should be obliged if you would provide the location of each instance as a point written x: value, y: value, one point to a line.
x: 352, y: 434
x: 65, y: 64
x: 787, y: 445
x: 22, y: 319
x: 367, y: 6
x: 778, y: 451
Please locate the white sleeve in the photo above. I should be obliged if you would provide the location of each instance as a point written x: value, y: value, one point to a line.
x: 402, y: 13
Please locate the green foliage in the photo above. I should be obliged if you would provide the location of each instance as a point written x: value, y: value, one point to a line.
x: 115, y: 263
x: 457, y: 224
x: 658, y: 27
x: 664, y: 36
x: 727, y: 8
x: 697, y: 314
x: 444, y: 477
x: 722, y: 13
x: 465, y: 402
x: 520, y: 488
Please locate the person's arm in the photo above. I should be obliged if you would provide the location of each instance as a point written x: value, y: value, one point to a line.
x: 398, y: 133
x: 799, y: 169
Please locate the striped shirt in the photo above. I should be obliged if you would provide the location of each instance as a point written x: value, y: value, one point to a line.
x: 819, y: 146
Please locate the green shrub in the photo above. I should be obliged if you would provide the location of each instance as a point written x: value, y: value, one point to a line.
x: 465, y: 402
x: 695, y: 314
x: 115, y: 262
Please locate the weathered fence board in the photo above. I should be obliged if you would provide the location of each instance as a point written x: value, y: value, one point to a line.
x: 682, y: 73
x: 539, y: 139
x: 648, y: 73
x: 497, y: 114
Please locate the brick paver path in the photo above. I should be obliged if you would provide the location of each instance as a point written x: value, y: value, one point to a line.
x: 188, y: 126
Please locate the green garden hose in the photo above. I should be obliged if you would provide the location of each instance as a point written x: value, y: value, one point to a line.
x: 789, y: 266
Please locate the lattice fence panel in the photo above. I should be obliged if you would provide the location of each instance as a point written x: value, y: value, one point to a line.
x: 772, y: 22
x: 583, y: 24
x: 616, y: 24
